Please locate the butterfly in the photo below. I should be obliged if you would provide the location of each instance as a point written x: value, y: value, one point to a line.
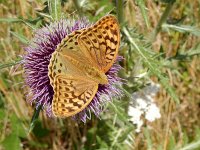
x: 79, y: 63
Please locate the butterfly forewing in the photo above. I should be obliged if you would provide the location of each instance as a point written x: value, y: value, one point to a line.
x: 72, y: 95
x: 69, y: 47
x: 101, y: 42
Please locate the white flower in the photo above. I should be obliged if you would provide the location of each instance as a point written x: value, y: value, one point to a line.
x: 143, y: 104
x: 152, y: 113
x: 135, y: 117
x: 137, y: 113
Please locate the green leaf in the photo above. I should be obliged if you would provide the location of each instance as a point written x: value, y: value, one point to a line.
x: 119, y: 5
x: 148, y: 138
x: 10, y: 20
x: 90, y: 135
x: 17, y: 126
x: 183, y: 29
x: 2, y: 114
x: 168, y: 1
x: 119, y: 111
x: 172, y: 143
x: 102, y: 143
x: 142, y: 6
x: 44, y: 15
x: 17, y: 61
x: 2, y: 119
x: 39, y: 131
x: 197, y: 131
x: 185, y: 55
x: 22, y: 38
x: 125, y: 133
x: 185, y: 138
x: 16, y: 20
x: 2, y: 99
x: 192, y: 146
x: 152, y: 65
x: 33, y: 27
x: 12, y: 142
x: 162, y: 20
x: 55, y: 9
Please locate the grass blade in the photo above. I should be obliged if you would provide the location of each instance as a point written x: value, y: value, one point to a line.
x: 22, y: 38
x: 2, y: 66
x: 192, y: 146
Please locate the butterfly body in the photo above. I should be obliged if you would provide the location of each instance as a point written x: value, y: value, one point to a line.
x: 96, y: 75
x: 79, y: 64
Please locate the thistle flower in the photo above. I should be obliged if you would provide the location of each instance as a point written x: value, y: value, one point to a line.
x: 36, y: 61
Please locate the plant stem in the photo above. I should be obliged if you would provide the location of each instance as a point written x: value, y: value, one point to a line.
x: 163, y: 19
x: 77, y: 5
x: 2, y: 66
x: 55, y: 9
x: 119, y: 5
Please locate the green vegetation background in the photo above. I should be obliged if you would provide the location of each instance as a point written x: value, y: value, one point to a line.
x: 159, y: 37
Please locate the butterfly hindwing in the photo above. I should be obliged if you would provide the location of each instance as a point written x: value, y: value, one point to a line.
x: 73, y: 90
x: 71, y: 95
x: 101, y: 42
x: 65, y: 65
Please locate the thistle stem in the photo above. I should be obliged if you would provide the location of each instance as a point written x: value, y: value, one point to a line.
x: 163, y: 19
x: 119, y: 6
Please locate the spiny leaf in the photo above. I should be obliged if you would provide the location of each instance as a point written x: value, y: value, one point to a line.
x: 154, y: 69
x: 142, y: 6
x: 183, y: 28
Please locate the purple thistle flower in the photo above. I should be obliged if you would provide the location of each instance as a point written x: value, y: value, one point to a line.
x: 36, y: 61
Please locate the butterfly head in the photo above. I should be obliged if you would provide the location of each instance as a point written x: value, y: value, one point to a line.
x: 97, y: 75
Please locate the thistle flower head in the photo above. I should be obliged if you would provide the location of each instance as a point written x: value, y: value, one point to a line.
x: 36, y: 61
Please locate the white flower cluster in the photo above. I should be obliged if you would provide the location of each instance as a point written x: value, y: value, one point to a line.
x: 142, y: 103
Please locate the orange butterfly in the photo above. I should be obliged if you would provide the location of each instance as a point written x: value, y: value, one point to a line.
x: 79, y: 64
